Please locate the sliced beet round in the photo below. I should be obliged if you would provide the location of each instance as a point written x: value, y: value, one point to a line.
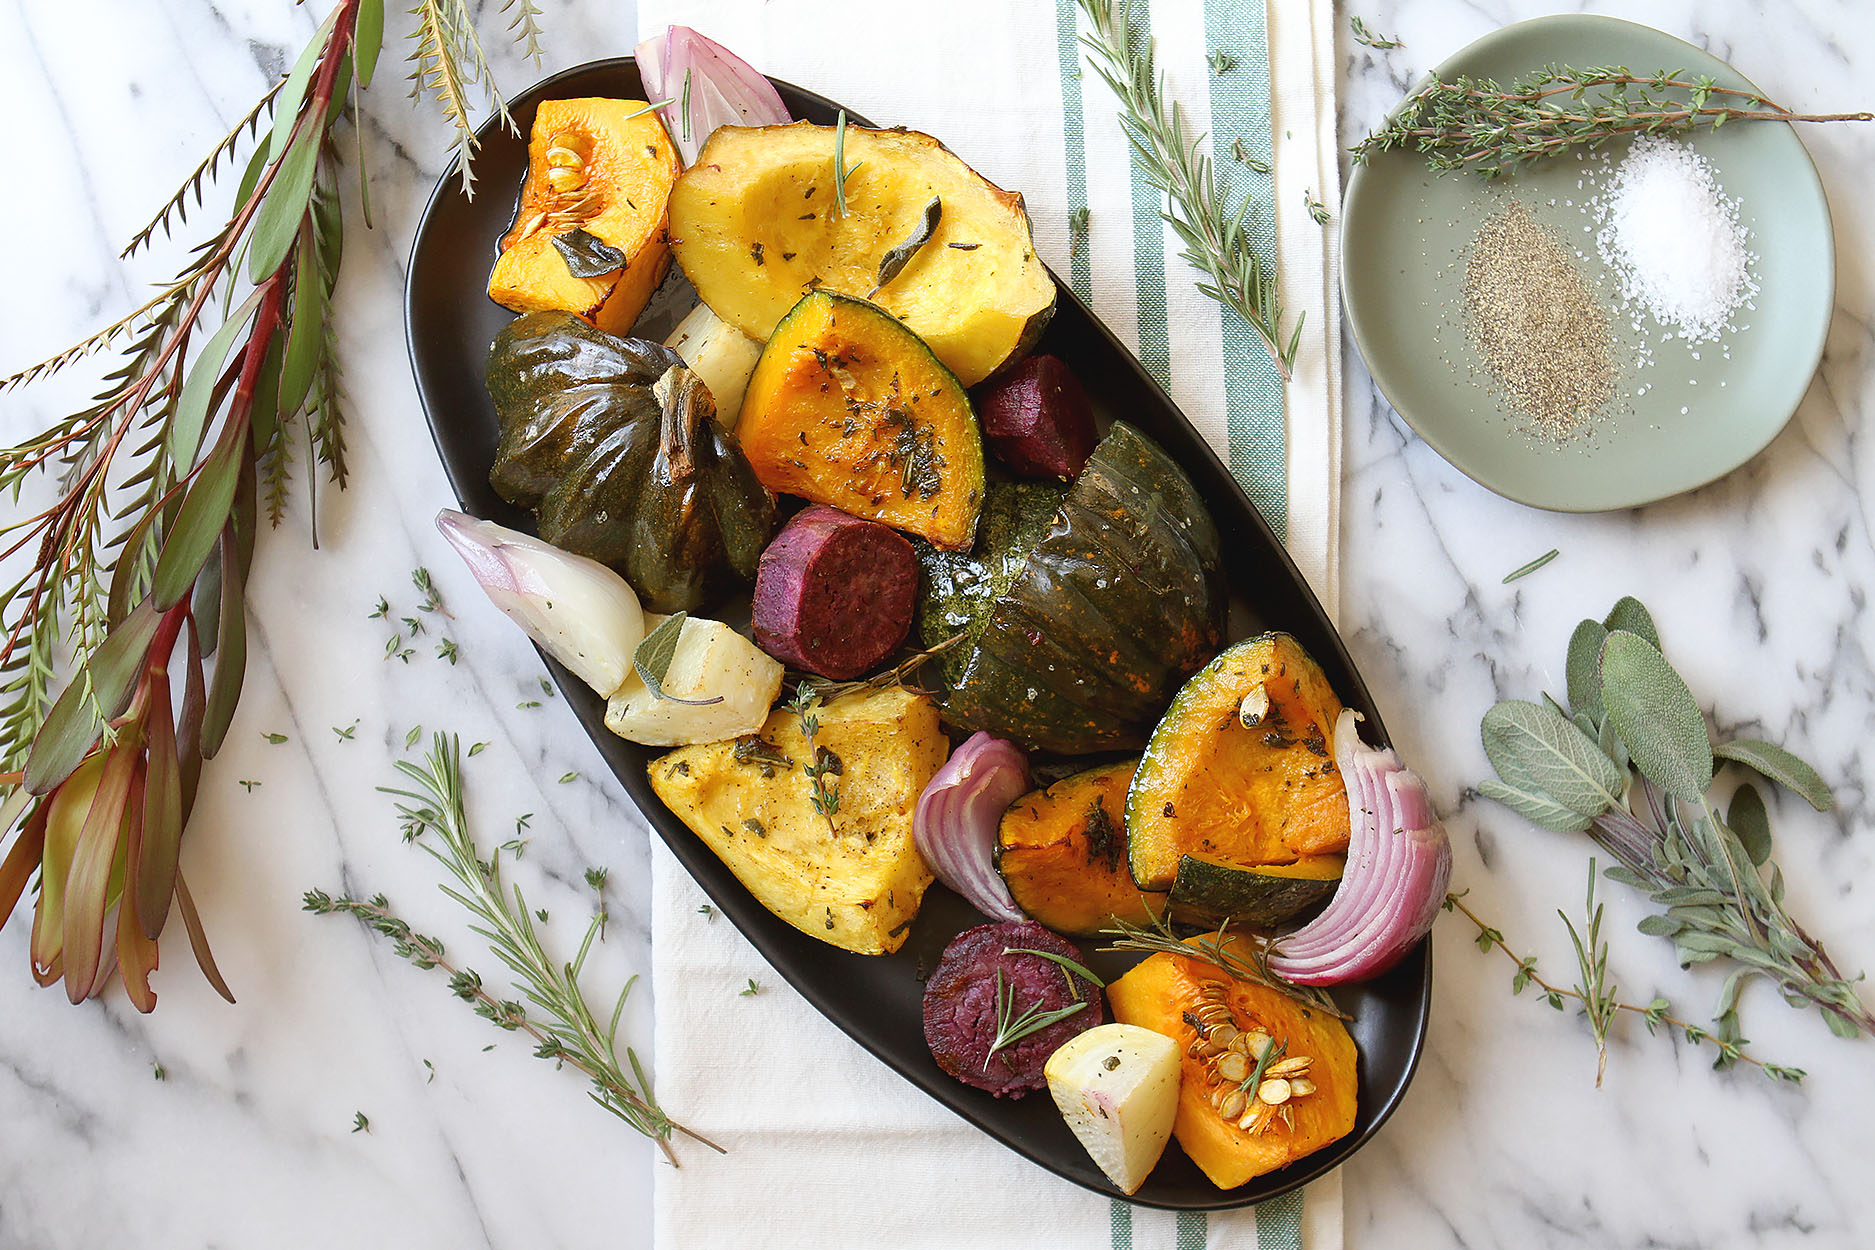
x: 834, y: 593
x: 961, y: 1011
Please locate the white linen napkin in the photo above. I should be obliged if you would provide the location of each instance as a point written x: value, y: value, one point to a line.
x: 828, y: 1148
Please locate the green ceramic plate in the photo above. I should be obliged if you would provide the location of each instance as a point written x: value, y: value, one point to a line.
x: 1405, y: 233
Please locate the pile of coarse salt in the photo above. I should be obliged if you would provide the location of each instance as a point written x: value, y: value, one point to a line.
x: 1673, y: 239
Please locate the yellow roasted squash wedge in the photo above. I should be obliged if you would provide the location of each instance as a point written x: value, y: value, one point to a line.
x: 853, y: 878
x: 755, y: 226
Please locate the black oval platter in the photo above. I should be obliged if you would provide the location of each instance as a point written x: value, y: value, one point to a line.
x: 450, y: 322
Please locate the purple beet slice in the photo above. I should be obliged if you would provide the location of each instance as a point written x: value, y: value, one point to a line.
x: 834, y: 593
x: 960, y: 1005
x: 1037, y: 418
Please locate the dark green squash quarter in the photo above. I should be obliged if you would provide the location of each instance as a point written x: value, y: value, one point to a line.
x: 1120, y: 600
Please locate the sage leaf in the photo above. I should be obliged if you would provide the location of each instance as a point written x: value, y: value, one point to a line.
x: 1776, y: 764
x: 1584, y: 670
x: 893, y: 262
x: 653, y: 659
x: 1537, y: 749
x: 1534, y: 806
x: 1632, y: 615
x: 1748, y: 822
x: 586, y: 255
x: 1659, y: 926
x: 104, y: 685
x: 1655, y: 715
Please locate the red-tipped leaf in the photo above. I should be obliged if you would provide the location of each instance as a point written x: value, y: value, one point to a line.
x: 17, y: 868
x: 136, y: 951
x: 224, y: 691
x: 198, y: 939
x: 152, y: 874
x: 88, y: 884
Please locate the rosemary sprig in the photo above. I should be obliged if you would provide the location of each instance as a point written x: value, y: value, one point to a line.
x: 828, y: 690
x: 1655, y: 1014
x: 158, y: 484
x: 434, y: 816
x: 1012, y: 1026
x: 1473, y: 123
x: 1365, y: 34
x: 1215, y: 233
x: 841, y: 171
x: 1242, y: 955
x: 1598, y: 997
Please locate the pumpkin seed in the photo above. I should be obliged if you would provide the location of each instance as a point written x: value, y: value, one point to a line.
x: 1296, y: 1065
x: 564, y: 158
x: 1302, y: 1087
x: 1274, y: 1091
x: 1224, y: 1035
x: 1259, y: 1043
x: 1233, y: 1104
x: 561, y: 179
x: 1233, y: 1066
x: 1255, y: 706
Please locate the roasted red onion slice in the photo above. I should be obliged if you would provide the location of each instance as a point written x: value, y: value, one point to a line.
x: 1399, y: 864
x: 955, y: 822
x: 709, y: 86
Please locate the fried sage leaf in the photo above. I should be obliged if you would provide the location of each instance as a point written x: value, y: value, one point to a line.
x: 587, y: 256
x: 893, y: 262
x: 653, y: 659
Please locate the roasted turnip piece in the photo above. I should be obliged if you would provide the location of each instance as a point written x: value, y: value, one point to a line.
x: 1036, y: 417
x: 834, y: 593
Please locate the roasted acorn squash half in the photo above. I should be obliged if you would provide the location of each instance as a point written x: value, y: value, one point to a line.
x: 755, y: 226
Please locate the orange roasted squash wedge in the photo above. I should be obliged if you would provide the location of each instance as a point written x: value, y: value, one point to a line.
x: 599, y: 177
x: 1240, y: 772
x: 847, y: 407
x: 1062, y: 852
x: 1306, y: 1098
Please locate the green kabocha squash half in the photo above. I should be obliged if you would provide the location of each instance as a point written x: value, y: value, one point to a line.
x: 559, y: 387
x: 617, y: 445
x: 958, y: 588
x: 1118, y: 603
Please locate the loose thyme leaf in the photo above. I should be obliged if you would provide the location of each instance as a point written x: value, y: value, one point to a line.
x: 893, y: 262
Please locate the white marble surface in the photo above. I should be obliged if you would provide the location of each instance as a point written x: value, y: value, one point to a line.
x: 1760, y: 585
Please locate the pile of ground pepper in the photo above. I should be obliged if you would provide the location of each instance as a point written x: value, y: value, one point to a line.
x: 1536, y: 324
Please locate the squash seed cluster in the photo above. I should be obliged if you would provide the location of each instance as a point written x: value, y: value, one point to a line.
x: 1233, y: 1056
x: 569, y: 202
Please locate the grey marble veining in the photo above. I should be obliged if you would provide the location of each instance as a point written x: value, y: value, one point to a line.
x: 1759, y: 582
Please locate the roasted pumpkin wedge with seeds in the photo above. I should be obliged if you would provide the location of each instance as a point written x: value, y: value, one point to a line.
x: 603, y: 168
x: 847, y: 408
x: 1240, y: 771
x: 1062, y: 852
x: 1233, y: 1127
x: 755, y: 224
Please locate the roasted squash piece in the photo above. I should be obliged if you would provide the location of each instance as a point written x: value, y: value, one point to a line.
x: 604, y: 167
x: 1063, y: 852
x: 1241, y: 770
x: 853, y: 878
x: 754, y: 225
x: 1260, y: 897
x: 1307, y: 1100
x: 847, y: 408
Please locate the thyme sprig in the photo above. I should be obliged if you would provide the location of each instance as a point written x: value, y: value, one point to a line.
x: 1473, y: 123
x: 1242, y: 955
x: 1592, y: 988
x: 821, y: 762
x: 433, y: 814
x: 448, y: 60
x: 828, y: 690
x: 1215, y: 233
x: 1655, y: 1014
x: 140, y: 559
x: 1012, y: 1026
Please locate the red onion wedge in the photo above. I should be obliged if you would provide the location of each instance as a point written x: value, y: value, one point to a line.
x: 955, y: 822
x: 1399, y: 864
x: 708, y: 86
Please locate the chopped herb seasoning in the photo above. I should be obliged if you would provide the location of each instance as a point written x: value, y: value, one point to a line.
x: 964, y: 247
x: 755, y: 252
x: 1104, y: 842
